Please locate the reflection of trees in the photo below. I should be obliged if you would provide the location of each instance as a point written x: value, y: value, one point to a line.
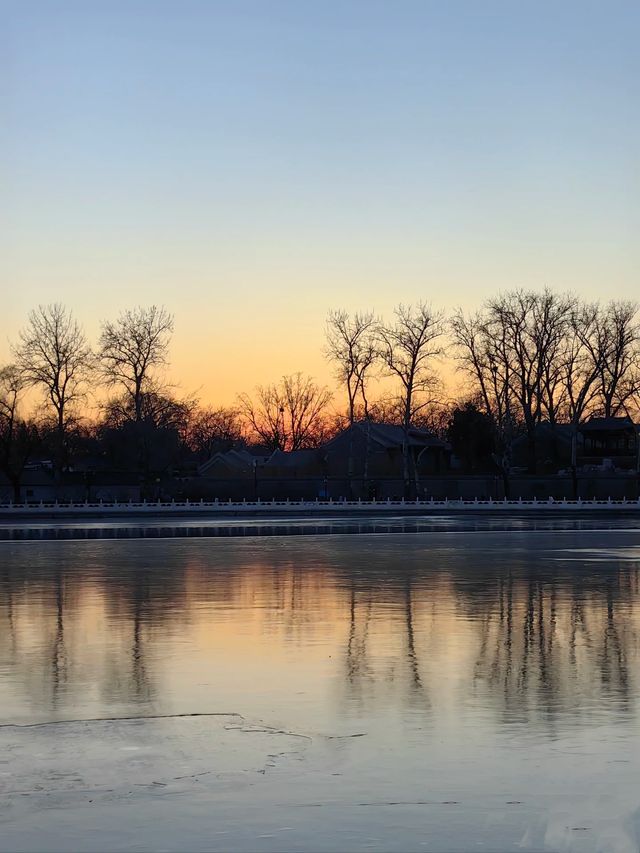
x: 524, y: 639
x: 141, y: 597
x: 145, y: 602
x: 612, y: 657
x: 73, y: 625
x: 517, y: 637
x: 358, y: 669
x: 536, y: 645
x: 58, y: 651
x: 7, y: 595
x: 369, y: 665
x: 412, y: 657
x: 544, y: 646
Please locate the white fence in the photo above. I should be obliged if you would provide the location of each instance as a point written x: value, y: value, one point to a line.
x: 308, y: 507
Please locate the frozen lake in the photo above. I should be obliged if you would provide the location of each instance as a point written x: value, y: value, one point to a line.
x: 459, y: 685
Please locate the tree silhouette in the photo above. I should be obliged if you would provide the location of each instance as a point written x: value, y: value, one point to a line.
x: 407, y: 348
x: 289, y: 415
x: 18, y: 438
x: 132, y: 348
x: 53, y: 354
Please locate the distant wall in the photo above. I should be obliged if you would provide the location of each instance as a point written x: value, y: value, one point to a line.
x: 529, y: 487
x: 439, y: 487
x: 436, y: 486
x: 48, y: 493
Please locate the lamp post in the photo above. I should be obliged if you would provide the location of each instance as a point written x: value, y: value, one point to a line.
x: 281, y: 437
x: 88, y: 481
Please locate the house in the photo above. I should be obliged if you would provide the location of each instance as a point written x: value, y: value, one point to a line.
x: 296, y: 464
x: 376, y: 451
x: 363, y: 460
x: 230, y: 464
x: 39, y: 484
x: 553, y: 447
x: 295, y: 474
x: 609, y: 443
x: 36, y: 484
x: 227, y: 474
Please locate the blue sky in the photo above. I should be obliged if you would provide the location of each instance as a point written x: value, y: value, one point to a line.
x: 254, y: 164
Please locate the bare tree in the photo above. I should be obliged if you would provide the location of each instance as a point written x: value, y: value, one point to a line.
x: 132, y: 348
x: 351, y: 346
x: 12, y: 384
x: 289, y: 415
x: 533, y: 327
x: 154, y: 444
x: 212, y: 429
x: 619, y: 376
x: 406, y: 348
x: 585, y: 351
x: 157, y: 411
x: 18, y: 438
x: 482, y: 354
x: 53, y: 354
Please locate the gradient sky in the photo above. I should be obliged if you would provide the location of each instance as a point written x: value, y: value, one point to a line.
x: 253, y: 164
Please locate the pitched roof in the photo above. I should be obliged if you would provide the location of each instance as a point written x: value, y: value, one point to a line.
x: 293, y: 458
x: 607, y: 424
x: 544, y: 430
x: 391, y: 436
x: 238, y: 460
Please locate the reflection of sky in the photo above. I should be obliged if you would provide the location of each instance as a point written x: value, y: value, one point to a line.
x: 252, y: 165
x: 455, y: 631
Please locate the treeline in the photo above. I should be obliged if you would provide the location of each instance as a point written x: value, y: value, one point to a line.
x: 523, y: 358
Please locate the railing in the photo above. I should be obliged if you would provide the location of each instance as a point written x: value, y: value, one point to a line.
x: 222, y: 507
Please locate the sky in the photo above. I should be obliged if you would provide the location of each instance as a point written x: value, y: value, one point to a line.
x: 252, y: 165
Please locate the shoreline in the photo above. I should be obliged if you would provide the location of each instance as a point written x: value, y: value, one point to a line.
x: 308, y: 509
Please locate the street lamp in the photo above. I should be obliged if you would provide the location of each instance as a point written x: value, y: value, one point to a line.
x: 255, y: 479
x: 281, y: 427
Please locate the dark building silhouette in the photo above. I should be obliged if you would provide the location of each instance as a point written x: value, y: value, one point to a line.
x: 609, y: 442
x: 362, y: 461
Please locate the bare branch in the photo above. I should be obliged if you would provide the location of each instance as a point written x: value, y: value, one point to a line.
x: 407, y: 348
x: 289, y: 415
x: 351, y: 346
x: 132, y: 348
x: 53, y: 354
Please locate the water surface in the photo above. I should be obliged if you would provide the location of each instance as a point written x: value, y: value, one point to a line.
x: 453, y: 689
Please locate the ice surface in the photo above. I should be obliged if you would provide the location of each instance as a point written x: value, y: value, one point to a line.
x: 429, y: 692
